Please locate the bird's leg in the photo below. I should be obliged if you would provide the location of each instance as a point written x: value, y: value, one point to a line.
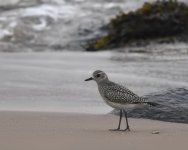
x: 127, y: 128
x: 120, y: 117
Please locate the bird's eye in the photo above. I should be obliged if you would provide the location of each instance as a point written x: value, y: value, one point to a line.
x: 98, y: 75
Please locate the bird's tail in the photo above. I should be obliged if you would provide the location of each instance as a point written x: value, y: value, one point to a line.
x: 152, y: 103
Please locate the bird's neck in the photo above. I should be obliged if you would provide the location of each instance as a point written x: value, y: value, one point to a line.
x: 104, y: 81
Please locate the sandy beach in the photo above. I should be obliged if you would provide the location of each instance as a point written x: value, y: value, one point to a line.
x: 59, y: 131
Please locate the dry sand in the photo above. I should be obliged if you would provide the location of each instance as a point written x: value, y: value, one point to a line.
x: 62, y: 131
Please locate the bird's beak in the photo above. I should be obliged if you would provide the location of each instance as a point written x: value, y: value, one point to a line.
x: 88, y: 79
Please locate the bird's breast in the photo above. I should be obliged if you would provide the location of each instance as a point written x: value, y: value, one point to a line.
x: 102, y: 90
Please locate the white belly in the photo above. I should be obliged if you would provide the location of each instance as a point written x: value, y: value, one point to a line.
x: 121, y: 106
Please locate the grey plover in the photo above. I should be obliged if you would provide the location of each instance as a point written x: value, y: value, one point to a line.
x: 117, y: 96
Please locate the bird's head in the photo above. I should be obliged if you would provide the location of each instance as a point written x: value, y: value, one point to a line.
x: 98, y: 76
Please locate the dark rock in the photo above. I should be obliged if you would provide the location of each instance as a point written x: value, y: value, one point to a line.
x: 173, y: 107
x: 160, y: 19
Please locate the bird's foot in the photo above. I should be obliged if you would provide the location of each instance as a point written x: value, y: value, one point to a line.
x: 118, y: 129
x: 127, y: 129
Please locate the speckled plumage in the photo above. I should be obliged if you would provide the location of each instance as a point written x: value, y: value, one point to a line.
x: 117, y: 96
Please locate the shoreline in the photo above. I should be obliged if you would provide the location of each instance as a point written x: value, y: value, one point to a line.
x: 82, y: 114
x: 22, y: 130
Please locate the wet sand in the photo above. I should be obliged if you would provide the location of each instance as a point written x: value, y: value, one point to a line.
x: 59, y: 131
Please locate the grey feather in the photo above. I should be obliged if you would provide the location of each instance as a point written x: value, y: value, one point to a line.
x: 118, y: 94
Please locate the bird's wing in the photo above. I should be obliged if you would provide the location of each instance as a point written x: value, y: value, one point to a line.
x: 119, y: 94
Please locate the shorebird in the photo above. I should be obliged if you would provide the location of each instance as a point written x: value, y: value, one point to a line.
x: 117, y: 96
